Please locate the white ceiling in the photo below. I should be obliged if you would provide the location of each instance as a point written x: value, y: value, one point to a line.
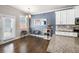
x: 36, y: 9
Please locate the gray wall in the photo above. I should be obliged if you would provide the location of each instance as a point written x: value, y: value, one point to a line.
x: 50, y: 16
x: 5, y: 9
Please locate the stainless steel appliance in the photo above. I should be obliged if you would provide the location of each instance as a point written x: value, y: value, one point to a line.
x: 77, y: 21
x: 76, y: 29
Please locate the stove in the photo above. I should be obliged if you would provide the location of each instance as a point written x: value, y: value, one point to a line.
x: 76, y: 29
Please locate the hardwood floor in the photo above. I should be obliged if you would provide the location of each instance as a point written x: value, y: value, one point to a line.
x: 28, y: 44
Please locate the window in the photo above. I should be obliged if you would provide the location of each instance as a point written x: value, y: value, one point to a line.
x: 23, y: 23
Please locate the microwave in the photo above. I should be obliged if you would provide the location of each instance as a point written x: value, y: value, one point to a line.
x: 76, y: 21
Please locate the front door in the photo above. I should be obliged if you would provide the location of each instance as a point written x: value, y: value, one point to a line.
x: 8, y: 27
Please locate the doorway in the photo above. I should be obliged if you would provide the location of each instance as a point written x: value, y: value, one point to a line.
x: 8, y: 27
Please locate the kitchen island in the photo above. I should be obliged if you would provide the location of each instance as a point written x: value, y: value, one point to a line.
x: 63, y: 44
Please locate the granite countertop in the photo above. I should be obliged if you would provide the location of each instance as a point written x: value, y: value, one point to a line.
x: 64, y: 36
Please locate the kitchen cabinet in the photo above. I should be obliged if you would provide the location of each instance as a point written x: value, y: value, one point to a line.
x: 58, y: 18
x: 65, y: 17
x: 76, y: 11
x: 70, y: 17
x: 60, y: 33
x: 71, y: 34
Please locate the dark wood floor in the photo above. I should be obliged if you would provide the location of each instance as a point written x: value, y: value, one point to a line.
x: 27, y: 44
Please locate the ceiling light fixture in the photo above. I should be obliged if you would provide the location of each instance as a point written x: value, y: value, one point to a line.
x: 29, y: 14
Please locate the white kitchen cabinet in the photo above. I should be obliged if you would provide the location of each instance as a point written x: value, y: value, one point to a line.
x: 63, y: 15
x: 76, y: 11
x: 72, y: 34
x: 58, y: 18
x: 59, y: 33
x: 70, y: 17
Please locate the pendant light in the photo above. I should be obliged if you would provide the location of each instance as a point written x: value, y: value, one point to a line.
x: 28, y: 14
